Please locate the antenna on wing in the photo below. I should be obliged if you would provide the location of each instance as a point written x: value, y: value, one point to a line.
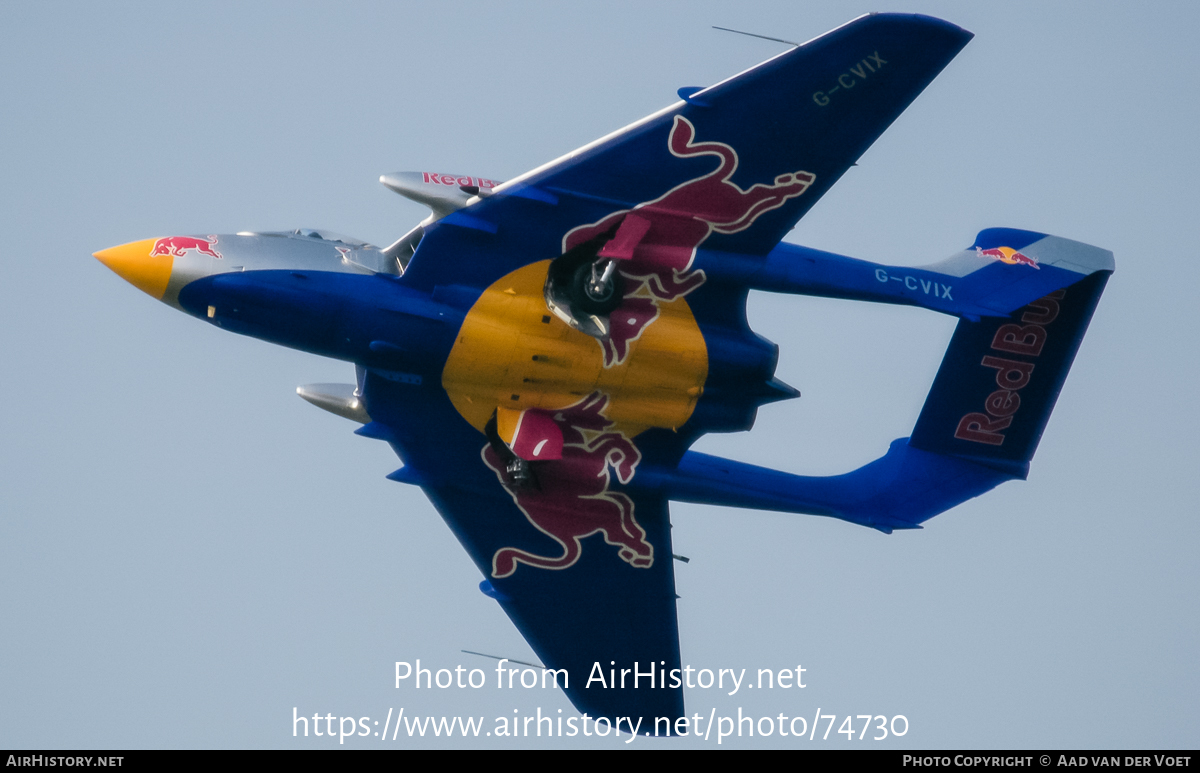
x: 753, y: 35
x: 497, y: 657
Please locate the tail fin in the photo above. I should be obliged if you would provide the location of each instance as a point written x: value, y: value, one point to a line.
x: 1000, y: 378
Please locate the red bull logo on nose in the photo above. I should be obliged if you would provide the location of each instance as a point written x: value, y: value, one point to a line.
x: 572, y: 499
x: 660, y: 269
x: 178, y: 245
x: 1007, y: 255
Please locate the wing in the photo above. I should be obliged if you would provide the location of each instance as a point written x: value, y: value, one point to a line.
x: 580, y: 557
x: 580, y: 565
x: 759, y: 148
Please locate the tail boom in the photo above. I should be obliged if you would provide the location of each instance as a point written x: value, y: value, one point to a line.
x: 989, y: 404
x: 900, y: 490
x: 1002, y: 271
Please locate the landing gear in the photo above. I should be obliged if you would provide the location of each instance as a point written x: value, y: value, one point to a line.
x: 582, y: 288
x: 597, y: 288
x: 517, y: 472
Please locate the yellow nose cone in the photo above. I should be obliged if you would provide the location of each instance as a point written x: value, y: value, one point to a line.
x: 135, y: 263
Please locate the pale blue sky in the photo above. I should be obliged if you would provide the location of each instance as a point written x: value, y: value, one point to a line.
x: 188, y: 550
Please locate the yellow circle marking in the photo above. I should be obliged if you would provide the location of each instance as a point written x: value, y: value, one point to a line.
x: 508, y: 355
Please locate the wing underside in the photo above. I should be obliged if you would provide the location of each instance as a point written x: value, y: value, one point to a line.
x: 775, y: 138
x: 580, y: 555
x: 581, y: 566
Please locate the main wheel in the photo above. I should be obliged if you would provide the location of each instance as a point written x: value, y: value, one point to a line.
x: 600, y: 304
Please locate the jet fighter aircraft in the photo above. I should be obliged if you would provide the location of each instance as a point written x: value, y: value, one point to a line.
x: 541, y: 352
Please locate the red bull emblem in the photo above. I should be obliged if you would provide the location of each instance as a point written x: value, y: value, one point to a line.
x: 1007, y: 255
x: 178, y: 245
x: 659, y: 270
x: 572, y: 499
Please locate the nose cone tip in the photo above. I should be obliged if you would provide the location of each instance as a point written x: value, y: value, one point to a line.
x: 135, y: 264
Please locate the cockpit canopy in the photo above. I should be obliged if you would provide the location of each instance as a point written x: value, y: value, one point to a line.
x: 324, y: 235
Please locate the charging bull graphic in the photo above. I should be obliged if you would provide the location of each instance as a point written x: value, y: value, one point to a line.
x: 627, y: 324
x: 571, y: 498
x: 178, y: 245
x: 1008, y: 255
x: 680, y: 221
